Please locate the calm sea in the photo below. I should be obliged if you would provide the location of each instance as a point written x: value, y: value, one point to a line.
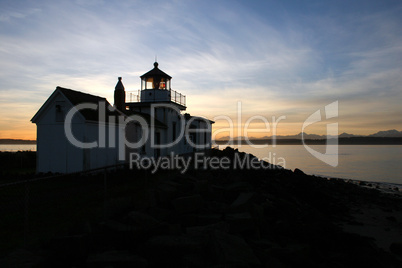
x: 374, y: 163
x: 17, y: 147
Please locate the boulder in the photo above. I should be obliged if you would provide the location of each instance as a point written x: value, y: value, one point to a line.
x: 166, y: 192
x: 240, y: 222
x: 232, y: 250
x: 68, y: 250
x: 141, y: 220
x: 187, y: 204
x: 207, y: 229
x: 299, y: 172
x: 205, y: 219
x: 115, y: 259
x: 396, y: 248
x: 243, y: 201
x: 22, y: 258
x: 170, y: 249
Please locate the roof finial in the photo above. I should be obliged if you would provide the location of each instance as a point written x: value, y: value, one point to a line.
x: 156, y: 61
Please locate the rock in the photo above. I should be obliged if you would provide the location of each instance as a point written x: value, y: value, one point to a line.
x: 68, y: 250
x: 238, y: 186
x: 141, y: 220
x: 143, y: 225
x: 22, y: 258
x: 240, y: 222
x: 118, y: 205
x: 207, y: 229
x: 160, y: 214
x: 187, y: 219
x: 242, y: 201
x: 187, y: 204
x: 169, y: 249
x: 215, y: 207
x: 205, y: 219
x: 299, y: 172
x: 115, y: 226
x: 174, y: 229
x: 201, y: 186
x: 165, y: 192
x: 396, y: 248
x: 391, y: 218
x: 232, y: 250
x: 194, y: 260
x: 116, y: 259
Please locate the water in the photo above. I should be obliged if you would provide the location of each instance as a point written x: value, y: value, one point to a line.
x: 17, y: 147
x: 374, y: 163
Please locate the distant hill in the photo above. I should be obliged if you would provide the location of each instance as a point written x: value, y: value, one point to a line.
x: 381, y: 134
x: 17, y: 141
x: 388, y: 134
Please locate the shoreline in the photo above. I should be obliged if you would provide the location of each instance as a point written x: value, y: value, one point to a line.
x: 388, y: 187
x: 208, y: 217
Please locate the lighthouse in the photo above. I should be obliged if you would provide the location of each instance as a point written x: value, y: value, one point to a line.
x: 156, y: 86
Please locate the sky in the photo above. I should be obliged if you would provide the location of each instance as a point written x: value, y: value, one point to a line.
x: 278, y: 60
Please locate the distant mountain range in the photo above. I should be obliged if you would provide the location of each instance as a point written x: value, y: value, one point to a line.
x: 393, y: 133
x: 17, y: 141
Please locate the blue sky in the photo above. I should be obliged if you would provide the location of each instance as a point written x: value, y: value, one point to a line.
x: 279, y: 58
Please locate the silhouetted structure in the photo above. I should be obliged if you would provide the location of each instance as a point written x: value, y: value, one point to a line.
x: 104, y: 135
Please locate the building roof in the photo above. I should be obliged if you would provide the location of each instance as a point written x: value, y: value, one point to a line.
x: 147, y: 118
x: 187, y: 116
x: 77, y: 97
x: 156, y: 72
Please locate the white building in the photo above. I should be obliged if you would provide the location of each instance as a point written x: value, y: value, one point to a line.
x: 78, y: 131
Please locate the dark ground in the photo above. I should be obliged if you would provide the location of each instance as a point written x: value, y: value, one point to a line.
x: 16, y: 165
x: 230, y: 218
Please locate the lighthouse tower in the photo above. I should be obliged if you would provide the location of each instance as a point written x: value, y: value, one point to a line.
x: 156, y: 87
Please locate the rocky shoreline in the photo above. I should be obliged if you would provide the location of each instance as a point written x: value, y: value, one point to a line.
x: 234, y: 218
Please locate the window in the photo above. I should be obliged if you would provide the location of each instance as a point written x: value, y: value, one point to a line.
x: 149, y: 83
x: 162, y: 84
x: 59, y: 111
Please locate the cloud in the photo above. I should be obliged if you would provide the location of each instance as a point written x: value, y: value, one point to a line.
x: 7, y: 15
x: 276, y: 58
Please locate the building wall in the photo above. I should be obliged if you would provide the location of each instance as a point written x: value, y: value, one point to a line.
x: 55, y: 153
x: 152, y: 95
x: 171, y: 119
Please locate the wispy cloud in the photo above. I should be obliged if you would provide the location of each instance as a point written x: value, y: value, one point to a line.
x: 277, y: 58
x: 6, y: 15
